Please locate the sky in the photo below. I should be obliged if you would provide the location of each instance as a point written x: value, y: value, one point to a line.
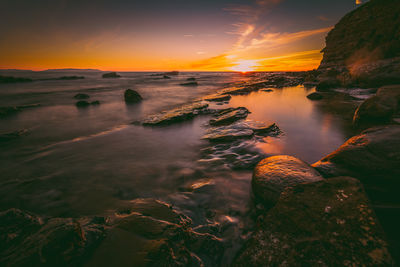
x: 162, y: 35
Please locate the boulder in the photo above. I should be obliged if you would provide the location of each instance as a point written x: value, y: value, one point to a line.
x: 191, y: 79
x: 111, y: 75
x: 230, y: 116
x: 372, y: 156
x: 380, y: 108
x: 82, y: 104
x: 274, y: 174
x: 81, y: 96
x: 315, y: 96
x: 131, y: 96
x: 325, y: 223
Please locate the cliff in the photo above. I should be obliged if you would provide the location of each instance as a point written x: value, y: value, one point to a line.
x: 363, y: 49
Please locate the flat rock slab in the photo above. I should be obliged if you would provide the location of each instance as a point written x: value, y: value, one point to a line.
x: 326, y: 223
x: 180, y: 114
x: 274, y: 174
x: 231, y: 116
x: 217, y: 98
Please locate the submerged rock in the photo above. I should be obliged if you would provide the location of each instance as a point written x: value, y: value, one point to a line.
x: 325, y: 223
x: 7, y: 111
x: 82, y: 104
x: 96, y: 102
x: 131, y: 96
x: 191, y: 79
x: 274, y: 174
x: 230, y: 116
x: 372, y: 156
x: 111, y: 75
x: 217, y: 98
x: 189, y: 84
x: 81, y: 96
x: 179, y: 114
x: 166, y: 77
x: 315, y: 96
x: 10, y: 79
x: 6, y: 136
x: 380, y: 108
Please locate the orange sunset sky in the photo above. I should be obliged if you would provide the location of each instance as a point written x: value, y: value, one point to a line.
x: 160, y: 35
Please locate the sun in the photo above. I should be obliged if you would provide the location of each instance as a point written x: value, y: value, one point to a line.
x: 245, y: 65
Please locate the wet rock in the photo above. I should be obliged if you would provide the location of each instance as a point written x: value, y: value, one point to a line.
x: 82, y: 104
x: 189, y: 84
x: 7, y: 111
x: 230, y: 116
x: 315, y: 96
x: 227, y: 134
x: 111, y: 75
x: 95, y: 103
x: 155, y: 234
x: 327, y: 84
x: 29, y: 240
x: 373, y: 157
x: 326, y: 223
x: 81, y: 96
x: 267, y: 90
x: 131, y: 96
x: 180, y: 114
x: 191, y: 79
x: 274, y: 174
x: 166, y: 77
x: 380, y: 108
x: 217, y: 98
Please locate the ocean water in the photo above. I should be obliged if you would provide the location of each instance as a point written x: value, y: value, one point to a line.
x: 81, y: 162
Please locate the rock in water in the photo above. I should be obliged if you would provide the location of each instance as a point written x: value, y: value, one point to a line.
x: 189, y: 84
x: 131, y: 96
x: 274, y: 174
x: 82, y: 104
x: 379, y: 109
x: 230, y: 116
x: 315, y: 96
x: 326, y: 223
x: 28, y: 240
x: 373, y: 157
x: 191, y: 79
x: 111, y: 75
x: 179, y: 114
x: 81, y: 96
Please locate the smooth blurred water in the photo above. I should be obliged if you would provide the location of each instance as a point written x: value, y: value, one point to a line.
x: 78, y: 162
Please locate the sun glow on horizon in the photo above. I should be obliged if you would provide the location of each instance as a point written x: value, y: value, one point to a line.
x: 245, y: 65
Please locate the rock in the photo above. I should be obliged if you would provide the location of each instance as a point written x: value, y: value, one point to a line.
x: 95, y: 103
x: 172, y: 73
x: 267, y: 90
x: 111, y: 75
x: 373, y: 157
x: 191, y: 79
x: 28, y: 240
x: 315, y: 96
x: 155, y: 234
x: 325, y: 223
x: 179, y: 114
x: 81, y: 96
x: 217, y: 98
x: 379, y: 109
x: 82, y: 104
x: 166, y: 77
x: 189, y: 84
x: 364, y: 46
x: 274, y: 174
x: 10, y: 79
x: 327, y: 85
x: 230, y: 117
x: 7, y: 111
x: 131, y: 96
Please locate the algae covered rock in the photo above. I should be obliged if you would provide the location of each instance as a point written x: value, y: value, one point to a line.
x: 274, y: 174
x: 229, y: 116
x: 325, y: 223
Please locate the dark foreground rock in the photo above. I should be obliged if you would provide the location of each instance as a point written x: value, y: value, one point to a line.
x: 373, y: 157
x: 131, y: 96
x: 179, y: 114
x: 29, y: 240
x: 326, y: 223
x: 111, y: 75
x: 380, y: 108
x: 274, y: 174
